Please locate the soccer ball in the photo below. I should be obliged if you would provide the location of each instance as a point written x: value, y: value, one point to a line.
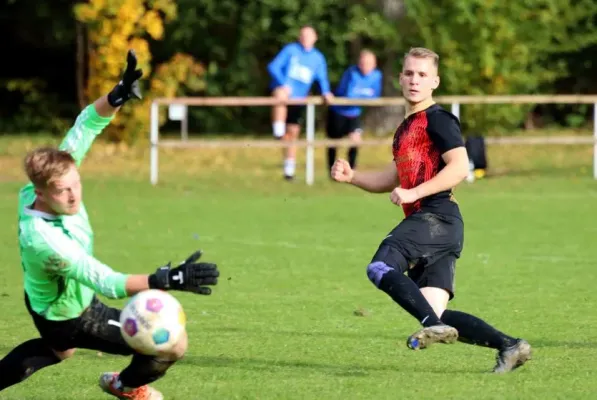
x: 152, y: 322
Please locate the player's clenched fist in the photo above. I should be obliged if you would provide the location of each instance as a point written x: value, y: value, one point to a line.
x: 401, y: 196
x: 341, y: 171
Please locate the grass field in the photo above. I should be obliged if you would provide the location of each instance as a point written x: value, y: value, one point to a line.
x: 281, y: 323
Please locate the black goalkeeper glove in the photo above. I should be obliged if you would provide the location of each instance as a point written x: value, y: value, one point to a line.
x: 128, y: 87
x: 188, y: 276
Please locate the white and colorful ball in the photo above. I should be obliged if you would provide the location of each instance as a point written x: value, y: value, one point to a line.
x: 152, y: 322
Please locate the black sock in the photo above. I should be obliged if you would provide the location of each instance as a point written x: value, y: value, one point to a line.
x: 24, y: 360
x: 143, y: 370
x: 405, y: 292
x: 331, y: 157
x: 473, y: 330
x: 352, y: 156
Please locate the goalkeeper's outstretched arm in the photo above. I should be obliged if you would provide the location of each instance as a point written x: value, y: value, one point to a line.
x: 60, y: 255
x: 94, y: 118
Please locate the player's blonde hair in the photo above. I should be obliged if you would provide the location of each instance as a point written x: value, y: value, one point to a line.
x: 422, y: 52
x: 46, y: 164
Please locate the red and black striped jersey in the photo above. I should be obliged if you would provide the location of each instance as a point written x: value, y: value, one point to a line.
x: 419, y: 143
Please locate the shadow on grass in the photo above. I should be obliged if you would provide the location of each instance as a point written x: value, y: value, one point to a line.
x: 397, y: 337
x: 394, y: 364
x: 405, y: 362
x: 255, y: 364
x: 563, y: 344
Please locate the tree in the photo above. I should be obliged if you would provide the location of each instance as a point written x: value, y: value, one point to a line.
x: 501, y: 47
x: 115, y: 26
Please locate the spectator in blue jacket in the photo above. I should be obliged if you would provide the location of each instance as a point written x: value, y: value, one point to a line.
x: 293, y: 71
x: 358, y: 81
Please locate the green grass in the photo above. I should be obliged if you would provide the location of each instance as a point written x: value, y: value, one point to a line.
x: 280, y: 325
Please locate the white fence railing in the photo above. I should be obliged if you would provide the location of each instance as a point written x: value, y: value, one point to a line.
x: 178, y: 111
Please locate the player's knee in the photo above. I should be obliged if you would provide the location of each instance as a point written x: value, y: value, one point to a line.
x: 376, y: 270
x: 385, y: 260
x: 292, y: 131
x: 355, y: 137
x: 176, y: 355
x: 391, y: 256
x: 64, y: 355
x: 179, y: 350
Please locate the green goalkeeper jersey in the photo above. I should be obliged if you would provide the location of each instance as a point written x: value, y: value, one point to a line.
x: 61, y: 276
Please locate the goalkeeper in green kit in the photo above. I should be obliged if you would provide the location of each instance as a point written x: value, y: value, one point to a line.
x: 62, y: 277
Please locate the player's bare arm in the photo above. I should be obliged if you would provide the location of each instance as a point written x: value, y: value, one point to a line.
x: 455, y: 171
x: 450, y: 176
x: 381, y: 181
x: 103, y: 107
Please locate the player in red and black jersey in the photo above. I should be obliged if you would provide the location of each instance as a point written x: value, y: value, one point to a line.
x: 429, y: 160
x: 419, y: 145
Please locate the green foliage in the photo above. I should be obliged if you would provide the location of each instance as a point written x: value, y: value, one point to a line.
x: 237, y: 40
x: 36, y: 90
x: 38, y: 111
x: 495, y: 47
x: 486, y: 47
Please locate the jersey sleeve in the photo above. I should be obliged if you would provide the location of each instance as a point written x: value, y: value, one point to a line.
x: 81, y: 135
x: 59, y: 255
x: 342, y: 88
x: 277, y: 65
x: 444, y: 130
x: 322, y: 75
x: 377, y: 87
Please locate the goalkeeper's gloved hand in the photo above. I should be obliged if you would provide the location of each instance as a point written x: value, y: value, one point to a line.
x: 188, y: 276
x: 129, y: 85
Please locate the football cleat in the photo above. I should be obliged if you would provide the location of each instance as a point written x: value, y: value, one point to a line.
x: 107, y: 380
x: 510, y: 358
x: 432, y: 334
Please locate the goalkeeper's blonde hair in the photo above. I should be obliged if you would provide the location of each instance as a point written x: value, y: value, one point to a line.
x: 46, y: 164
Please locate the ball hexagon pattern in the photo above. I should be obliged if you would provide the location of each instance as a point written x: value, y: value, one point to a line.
x: 130, y: 327
x: 160, y: 336
x: 154, y: 305
x: 152, y: 322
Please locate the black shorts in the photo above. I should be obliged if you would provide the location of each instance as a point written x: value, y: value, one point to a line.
x: 339, y: 126
x: 426, y: 245
x: 295, y: 114
x: 96, y: 329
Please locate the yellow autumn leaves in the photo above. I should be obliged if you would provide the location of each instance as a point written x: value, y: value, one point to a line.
x: 113, y: 27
